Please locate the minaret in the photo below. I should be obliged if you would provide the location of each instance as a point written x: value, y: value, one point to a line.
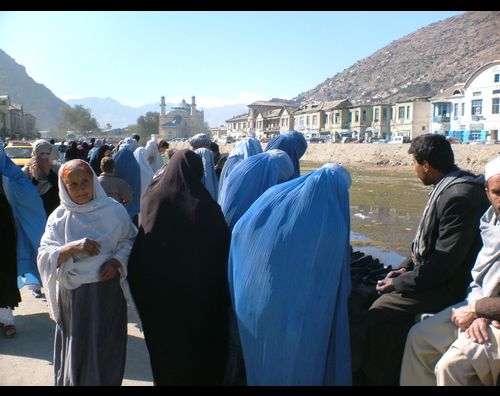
x: 193, y: 105
x: 162, y: 107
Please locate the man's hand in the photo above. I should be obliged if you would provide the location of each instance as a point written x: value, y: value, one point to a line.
x: 385, y: 285
x: 463, y: 316
x: 109, y: 269
x: 395, y: 274
x: 478, y: 331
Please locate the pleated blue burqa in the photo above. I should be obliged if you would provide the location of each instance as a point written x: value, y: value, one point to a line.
x: 293, y: 143
x: 127, y: 168
x: 289, y: 280
x: 249, y: 179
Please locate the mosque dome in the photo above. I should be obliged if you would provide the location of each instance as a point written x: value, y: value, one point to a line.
x: 182, y: 106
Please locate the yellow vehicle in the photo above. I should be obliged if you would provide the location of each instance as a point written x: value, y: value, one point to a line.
x: 19, y: 152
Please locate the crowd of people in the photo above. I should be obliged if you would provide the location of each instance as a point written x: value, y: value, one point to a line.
x: 238, y: 266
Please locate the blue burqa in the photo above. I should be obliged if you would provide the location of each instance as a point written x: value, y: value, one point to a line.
x: 293, y: 143
x: 243, y: 149
x: 289, y: 279
x: 127, y: 168
x: 29, y: 218
x: 249, y: 179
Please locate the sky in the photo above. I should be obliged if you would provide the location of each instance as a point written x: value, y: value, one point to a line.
x: 221, y: 57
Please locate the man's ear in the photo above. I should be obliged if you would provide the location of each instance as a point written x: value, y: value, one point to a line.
x: 426, y: 166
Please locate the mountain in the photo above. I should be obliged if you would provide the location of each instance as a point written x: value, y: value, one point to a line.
x: 110, y: 111
x: 119, y: 116
x: 35, y: 98
x: 419, y: 64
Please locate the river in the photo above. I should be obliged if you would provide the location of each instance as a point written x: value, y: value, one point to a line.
x: 386, y: 206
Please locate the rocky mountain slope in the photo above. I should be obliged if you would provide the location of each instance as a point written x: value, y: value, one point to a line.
x: 419, y: 64
x: 35, y: 98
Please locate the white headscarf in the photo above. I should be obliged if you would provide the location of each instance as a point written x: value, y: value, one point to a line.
x: 141, y: 155
x: 102, y: 219
x: 152, y: 149
x: 492, y: 168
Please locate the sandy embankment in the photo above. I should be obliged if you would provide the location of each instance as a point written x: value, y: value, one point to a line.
x: 470, y: 157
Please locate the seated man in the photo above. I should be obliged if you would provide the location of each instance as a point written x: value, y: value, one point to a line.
x: 437, y: 273
x: 460, y: 345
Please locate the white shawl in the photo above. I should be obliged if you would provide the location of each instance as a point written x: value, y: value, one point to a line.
x: 486, y: 271
x: 141, y: 155
x: 102, y: 219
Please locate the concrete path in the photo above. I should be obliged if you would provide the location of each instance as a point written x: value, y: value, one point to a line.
x: 26, y: 359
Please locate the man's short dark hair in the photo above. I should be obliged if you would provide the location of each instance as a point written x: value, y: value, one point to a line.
x: 136, y: 136
x: 162, y: 143
x: 434, y: 149
x: 107, y: 164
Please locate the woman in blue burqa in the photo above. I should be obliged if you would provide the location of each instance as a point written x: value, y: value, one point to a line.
x: 289, y: 280
x: 178, y: 276
x: 293, y: 143
x: 127, y: 168
x: 245, y: 148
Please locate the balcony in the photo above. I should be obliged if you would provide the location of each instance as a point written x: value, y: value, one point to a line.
x: 440, y: 119
x: 478, y: 118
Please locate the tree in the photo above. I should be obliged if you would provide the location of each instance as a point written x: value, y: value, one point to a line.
x: 108, y: 126
x: 78, y: 119
x: 148, y: 124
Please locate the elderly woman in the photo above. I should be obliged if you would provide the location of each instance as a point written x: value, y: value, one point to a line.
x: 178, y: 276
x: 82, y: 260
x: 290, y: 281
x: 43, y: 174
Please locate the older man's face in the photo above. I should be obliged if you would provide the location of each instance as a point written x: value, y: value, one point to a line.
x: 493, y: 192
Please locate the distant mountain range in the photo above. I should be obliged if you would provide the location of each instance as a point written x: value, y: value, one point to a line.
x: 119, y: 116
x: 419, y: 64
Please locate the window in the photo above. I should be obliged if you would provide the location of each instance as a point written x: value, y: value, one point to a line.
x: 364, y: 115
x: 384, y: 113
x: 497, y: 77
x: 455, y: 109
x: 463, y: 109
x: 315, y: 120
x: 401, y: 112
x: 377, y: 115
x: 495, y: 107
x: 326, y: 119
x: 408, y: 112
x: 477, y: 107
x: 356, y: 116
x: 496, y: 91
x: 337, y: 118
x: 308, y: 119
x: 282, y: 122
x: 302, y: 121
x: 478, y: 93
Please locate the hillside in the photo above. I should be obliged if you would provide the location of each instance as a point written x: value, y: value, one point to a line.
x: 419, y: 64
x: 35, y: 98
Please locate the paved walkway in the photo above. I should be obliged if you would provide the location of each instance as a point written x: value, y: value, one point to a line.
x: 26, y: 359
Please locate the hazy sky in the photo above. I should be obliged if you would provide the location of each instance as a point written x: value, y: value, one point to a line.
x: 221, y: 57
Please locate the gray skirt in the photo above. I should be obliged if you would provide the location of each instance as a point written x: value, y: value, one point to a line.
x: 91, y: 335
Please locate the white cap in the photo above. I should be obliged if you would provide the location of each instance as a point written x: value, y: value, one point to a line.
x: 492, y: 168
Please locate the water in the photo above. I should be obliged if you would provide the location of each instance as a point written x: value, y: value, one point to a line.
x: 386, y: 206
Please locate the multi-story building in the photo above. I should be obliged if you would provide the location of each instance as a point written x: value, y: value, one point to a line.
x: 183, y: 121
x: 410, y: 118
x: 237, y: 125
x: 337, y: 118
x: 360, y: 119
x: 4, y: 116
x: 470, y: 111
x: 381, y: 123
x: 268, y: 118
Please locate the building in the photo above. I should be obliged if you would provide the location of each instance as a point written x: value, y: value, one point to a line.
x: 410, y: 118
x: 14, y: 122
x: 5, y: 116
x: 381, y: 123
x: 237, y: 126
x: 183, y: 121
x: 360, y: 120
x: 269, y: 118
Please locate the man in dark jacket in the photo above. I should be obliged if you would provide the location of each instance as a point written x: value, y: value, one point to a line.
x: 437, y: 273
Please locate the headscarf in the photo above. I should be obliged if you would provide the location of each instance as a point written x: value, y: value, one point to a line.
x: 29, y: 218
x: 178, y: 266
x: 152, y: 149
x: 131, y: 142
x: 43, y: 185
x: 96, y: 156
x: 293, y: 143
x: 249, y: 179
x: 102, y: 219
x: 200, y: 139
x: 209, y: 178
x: 243, y: 149
x: 289, y: 280
x: 141, y: 156
x: 39, y: 146
x: 127, y: 168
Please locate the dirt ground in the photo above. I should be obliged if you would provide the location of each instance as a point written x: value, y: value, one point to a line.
x: 26, y: 359
x: 470, y: 157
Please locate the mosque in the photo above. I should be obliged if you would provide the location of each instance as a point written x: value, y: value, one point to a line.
x: 183, y: 121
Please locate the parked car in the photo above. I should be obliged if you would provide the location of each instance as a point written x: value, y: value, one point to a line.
x: 19, y: 152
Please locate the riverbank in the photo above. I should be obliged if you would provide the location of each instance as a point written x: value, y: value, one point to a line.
x: 471, y: 157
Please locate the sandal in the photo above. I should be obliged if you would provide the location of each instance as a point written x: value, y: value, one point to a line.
x: 9, y: 331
